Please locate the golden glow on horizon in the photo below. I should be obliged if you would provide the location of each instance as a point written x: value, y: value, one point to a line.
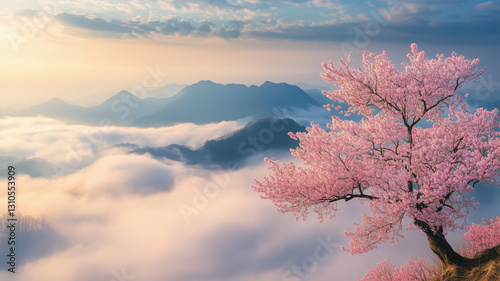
x: 47, y: 68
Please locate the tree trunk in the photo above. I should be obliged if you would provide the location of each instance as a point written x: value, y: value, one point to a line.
x: 444, y: 251
x: 440, y: 246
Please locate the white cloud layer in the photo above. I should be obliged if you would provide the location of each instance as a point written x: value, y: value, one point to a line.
x: 71, y: 147
x: 133, y: 217
x: 114, y: 221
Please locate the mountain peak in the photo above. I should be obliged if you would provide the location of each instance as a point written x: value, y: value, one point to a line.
x: 205, y: 82
x: 283, y: 85
x: 124, y: 92
x: 234, y: 148
x: 208, y: 102
x: 52, y: 108
x: 52, y: 103
x: 55, y: 101
x: 267, y: 84
x: 201, y: 85
x: 123, y: 95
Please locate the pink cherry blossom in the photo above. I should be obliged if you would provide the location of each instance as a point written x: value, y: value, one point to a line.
x: 414, y: 271
x: 482, y: 236
x: 417, y: 152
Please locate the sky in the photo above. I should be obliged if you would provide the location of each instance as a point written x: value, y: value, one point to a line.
x: 119, y: 216
x: 75, y: 49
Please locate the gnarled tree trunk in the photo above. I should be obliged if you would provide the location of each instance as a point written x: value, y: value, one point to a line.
x: 440, y: 246
x: 483, y: 266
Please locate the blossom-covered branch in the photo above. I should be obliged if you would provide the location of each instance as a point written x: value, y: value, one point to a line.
x: 416, y: 153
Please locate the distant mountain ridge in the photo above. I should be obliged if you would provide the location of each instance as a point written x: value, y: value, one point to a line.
x: 229, y: 150
x: 120, y: 109
x: 54, y: 108
x: 208, y: 102
x: 201, y: 103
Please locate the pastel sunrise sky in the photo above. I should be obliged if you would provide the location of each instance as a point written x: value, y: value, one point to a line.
x: 118, y: 215
x: 73, y: 49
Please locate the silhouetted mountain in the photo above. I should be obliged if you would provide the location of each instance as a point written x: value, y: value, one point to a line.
x: 55, y: 108
x: 123, y: 108
x: 319, y: 97
x: 201, y: 103
x: 257, y: 136
x: 208, y: 102
x: 166, y: 91
x: 321, y: 86
x: 120, y: 109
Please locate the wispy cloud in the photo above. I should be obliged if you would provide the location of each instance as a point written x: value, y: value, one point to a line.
x: 96, y: 24
x: 489, y: 6
x: 319, y: 20
x: 409, y: 20
x: 146, y: 29
x: 331, y: 4
x: 476, y: 30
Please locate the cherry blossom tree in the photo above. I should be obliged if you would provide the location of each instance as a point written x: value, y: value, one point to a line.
x: 416, y: 153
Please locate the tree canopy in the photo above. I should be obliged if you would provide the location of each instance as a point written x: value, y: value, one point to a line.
x: 416, y: 153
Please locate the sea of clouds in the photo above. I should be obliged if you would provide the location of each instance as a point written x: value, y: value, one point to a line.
x: 117, y: 216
